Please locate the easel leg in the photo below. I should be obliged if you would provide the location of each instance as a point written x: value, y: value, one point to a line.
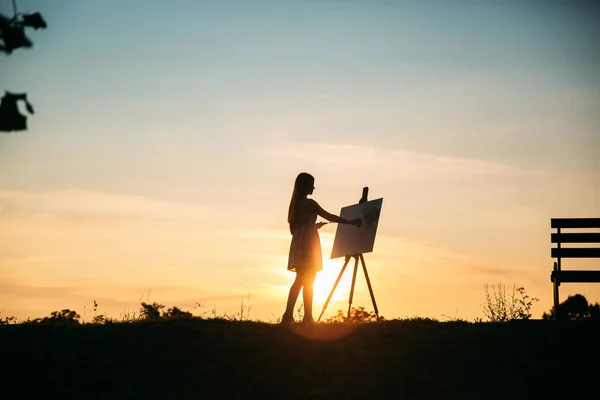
x: 334, y: 286
x: 362, y: 261
x: 352, y: 287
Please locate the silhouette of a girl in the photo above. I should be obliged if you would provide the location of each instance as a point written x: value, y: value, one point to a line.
x: 305, y: 248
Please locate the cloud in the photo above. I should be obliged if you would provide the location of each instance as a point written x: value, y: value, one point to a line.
x: 25, y: 260
x: 27, y: 291
x: 408, y: 163
x: 78, y: 203
x: 462, y: 188
x: 426, y: 259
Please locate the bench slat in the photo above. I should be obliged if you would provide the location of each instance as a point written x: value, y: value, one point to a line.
x: 575, y: 222
x: 571, y: 252
x: 576, y: 276
x: 589, y: 237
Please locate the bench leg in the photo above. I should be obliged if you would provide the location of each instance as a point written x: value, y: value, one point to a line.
x: 556, y: 284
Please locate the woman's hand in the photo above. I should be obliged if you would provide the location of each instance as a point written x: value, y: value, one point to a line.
x: 357, y: 222
x: 319, y: 225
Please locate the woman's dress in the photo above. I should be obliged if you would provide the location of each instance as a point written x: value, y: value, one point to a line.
x: 305, y: 249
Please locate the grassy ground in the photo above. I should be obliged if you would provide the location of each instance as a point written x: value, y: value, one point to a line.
x: 206, y: 359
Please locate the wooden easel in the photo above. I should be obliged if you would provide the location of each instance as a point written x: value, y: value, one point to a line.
x: 356, y: 257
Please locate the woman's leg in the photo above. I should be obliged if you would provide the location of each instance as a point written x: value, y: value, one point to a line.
x: 293, y: 296
x: 308, y: 280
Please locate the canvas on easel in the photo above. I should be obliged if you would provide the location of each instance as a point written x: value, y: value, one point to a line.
x: 350, y: 240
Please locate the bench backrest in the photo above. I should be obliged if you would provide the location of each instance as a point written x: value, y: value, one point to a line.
x: 559, y: 252
x: 579, y: 238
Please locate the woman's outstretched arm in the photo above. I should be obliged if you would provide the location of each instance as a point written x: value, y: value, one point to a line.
x: 331, y: 217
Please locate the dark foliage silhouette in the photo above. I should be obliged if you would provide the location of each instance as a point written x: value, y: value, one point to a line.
x: 12, y: 37
x: 11, y: 118
x: 175, y: 312
x: 357, y: 315
x: 63, y: 317
x: 12, y: 30
x: 575, y: 307
x: 153, y: 312
x: 8, y: 320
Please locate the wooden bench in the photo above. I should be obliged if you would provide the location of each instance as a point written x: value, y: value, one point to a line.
x: 559, y: 237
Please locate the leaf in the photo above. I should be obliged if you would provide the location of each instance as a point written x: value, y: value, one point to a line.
x: 29, y: 107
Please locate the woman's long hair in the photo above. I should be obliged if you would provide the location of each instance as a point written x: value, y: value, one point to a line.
x: 302, y: 187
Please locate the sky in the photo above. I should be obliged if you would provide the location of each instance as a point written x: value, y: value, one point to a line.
x: 161, y: 158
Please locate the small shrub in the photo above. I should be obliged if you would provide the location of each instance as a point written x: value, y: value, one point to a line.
x: 498, y: 307
x: 242, y: 315
x: 150, y: 311
x: 63, y: 317
x: 8, y: 320
x: 175, y: 312
x: 357, y: 315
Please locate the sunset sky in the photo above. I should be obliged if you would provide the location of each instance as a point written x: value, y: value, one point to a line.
x: 167, y: 136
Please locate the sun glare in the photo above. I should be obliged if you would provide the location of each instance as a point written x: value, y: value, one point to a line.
x: 326, y: 279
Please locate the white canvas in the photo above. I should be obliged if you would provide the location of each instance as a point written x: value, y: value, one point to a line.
x: 350, y: 240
